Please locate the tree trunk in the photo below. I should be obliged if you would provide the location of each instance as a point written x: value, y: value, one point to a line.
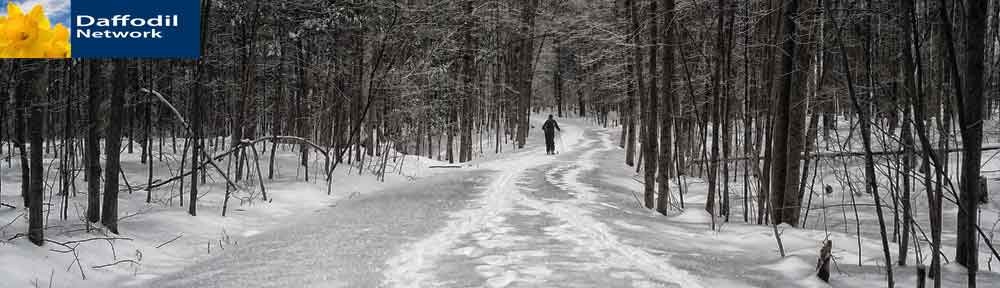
x: 112, y: 145
x: 276, y: 109
x: 650, y: 145
x: 93, y: 152
x: 557, y: 80
x: 148, y: 132
x: 20, y: 106
x: 717, y: 108
x: 971, y: 122
x: 666, y: 117
x: 785, y: 156
x: 196, y: 110
x: 526, y: 73
x: 34, y: 74
x: 468, y: 74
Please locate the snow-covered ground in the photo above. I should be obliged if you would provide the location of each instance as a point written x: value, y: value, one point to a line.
x: 161, y: 238
x: 519, y: 219
x: 575, y: 221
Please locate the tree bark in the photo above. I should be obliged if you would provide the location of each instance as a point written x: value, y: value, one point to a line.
x: 650, y: 144
x: 971, y: 123
x: 717, y: 108
x: 526, y: 73
x: 785, y: 161
x: 196, y: 109
x: 112, y: 145
x: 34, y: 74
x: 666, y: 117
x: 93, y: 152
x: 468, y: 74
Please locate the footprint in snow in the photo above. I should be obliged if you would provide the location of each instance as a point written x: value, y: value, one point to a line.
x: 471, y: 252
x: 503, y: 280
x: 489, y: 271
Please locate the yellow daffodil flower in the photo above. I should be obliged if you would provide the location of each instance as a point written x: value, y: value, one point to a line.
x: 31, y: 35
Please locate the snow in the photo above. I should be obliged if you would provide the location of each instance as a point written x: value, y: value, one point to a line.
x: 405, y: 270
x: 514, y: 219
x: 597, y: 227
x: 577, y: 231
x: 149, y: 227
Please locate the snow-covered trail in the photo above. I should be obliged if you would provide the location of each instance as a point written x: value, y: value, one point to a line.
x: 523, y: 219
x: 535, y: 226
x: 342, y: 246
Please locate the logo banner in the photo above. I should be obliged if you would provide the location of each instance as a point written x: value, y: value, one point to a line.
x: 100, y: 29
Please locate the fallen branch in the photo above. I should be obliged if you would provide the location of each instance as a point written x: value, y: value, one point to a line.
x: 159, y: 183
x: 116, y: 263
x: 445, y: 166
x: 144, y: 210
x: 245, y: 142
x: 76, y: 256
x: 18, y: 235
x: 300, y: 139
x: 260, y: 177
x: 187, y: 127
x: 168, y: 242
x: 92, y: 239
x: 12, y: 221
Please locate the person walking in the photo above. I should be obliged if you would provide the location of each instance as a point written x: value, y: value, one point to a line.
x: 550, y: 127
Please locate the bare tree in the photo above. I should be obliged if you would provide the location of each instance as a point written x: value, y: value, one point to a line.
x: 667, y: 113
x: 35, y: 75
x: 112, y: 147
x: 93, y: 153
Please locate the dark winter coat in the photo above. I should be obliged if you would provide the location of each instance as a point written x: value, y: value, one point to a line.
x: 550, y: 127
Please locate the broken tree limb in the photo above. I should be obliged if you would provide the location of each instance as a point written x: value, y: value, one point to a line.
x: 260, y: 176
x: 170, y: 241
x: 445, y: 166
x: 189, y: 172
x: 115, y: 263
x: 272, y: 138
x: 245, y: 142
x: 326, y: 152
x: 187, y: 127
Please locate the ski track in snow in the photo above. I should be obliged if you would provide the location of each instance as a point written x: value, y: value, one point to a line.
x: 485, y: 223
x: 407, y: 268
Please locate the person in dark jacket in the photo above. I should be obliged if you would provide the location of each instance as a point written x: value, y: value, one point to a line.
x: 550, y: 128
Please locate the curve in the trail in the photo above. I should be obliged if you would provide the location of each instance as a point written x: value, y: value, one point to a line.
x: 412, y: 266
x: 491, y: 224
x: 600, y: 236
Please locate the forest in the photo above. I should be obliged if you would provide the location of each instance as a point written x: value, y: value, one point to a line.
x: 877, y: 119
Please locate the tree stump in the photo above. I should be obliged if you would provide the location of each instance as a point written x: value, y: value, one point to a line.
x: 823, y: 263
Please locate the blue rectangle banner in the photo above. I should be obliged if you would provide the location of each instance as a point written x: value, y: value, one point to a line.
x: 135, y: 29
x: 100, y: 29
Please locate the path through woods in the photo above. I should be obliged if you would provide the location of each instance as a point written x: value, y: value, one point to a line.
x: 527, y: 220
